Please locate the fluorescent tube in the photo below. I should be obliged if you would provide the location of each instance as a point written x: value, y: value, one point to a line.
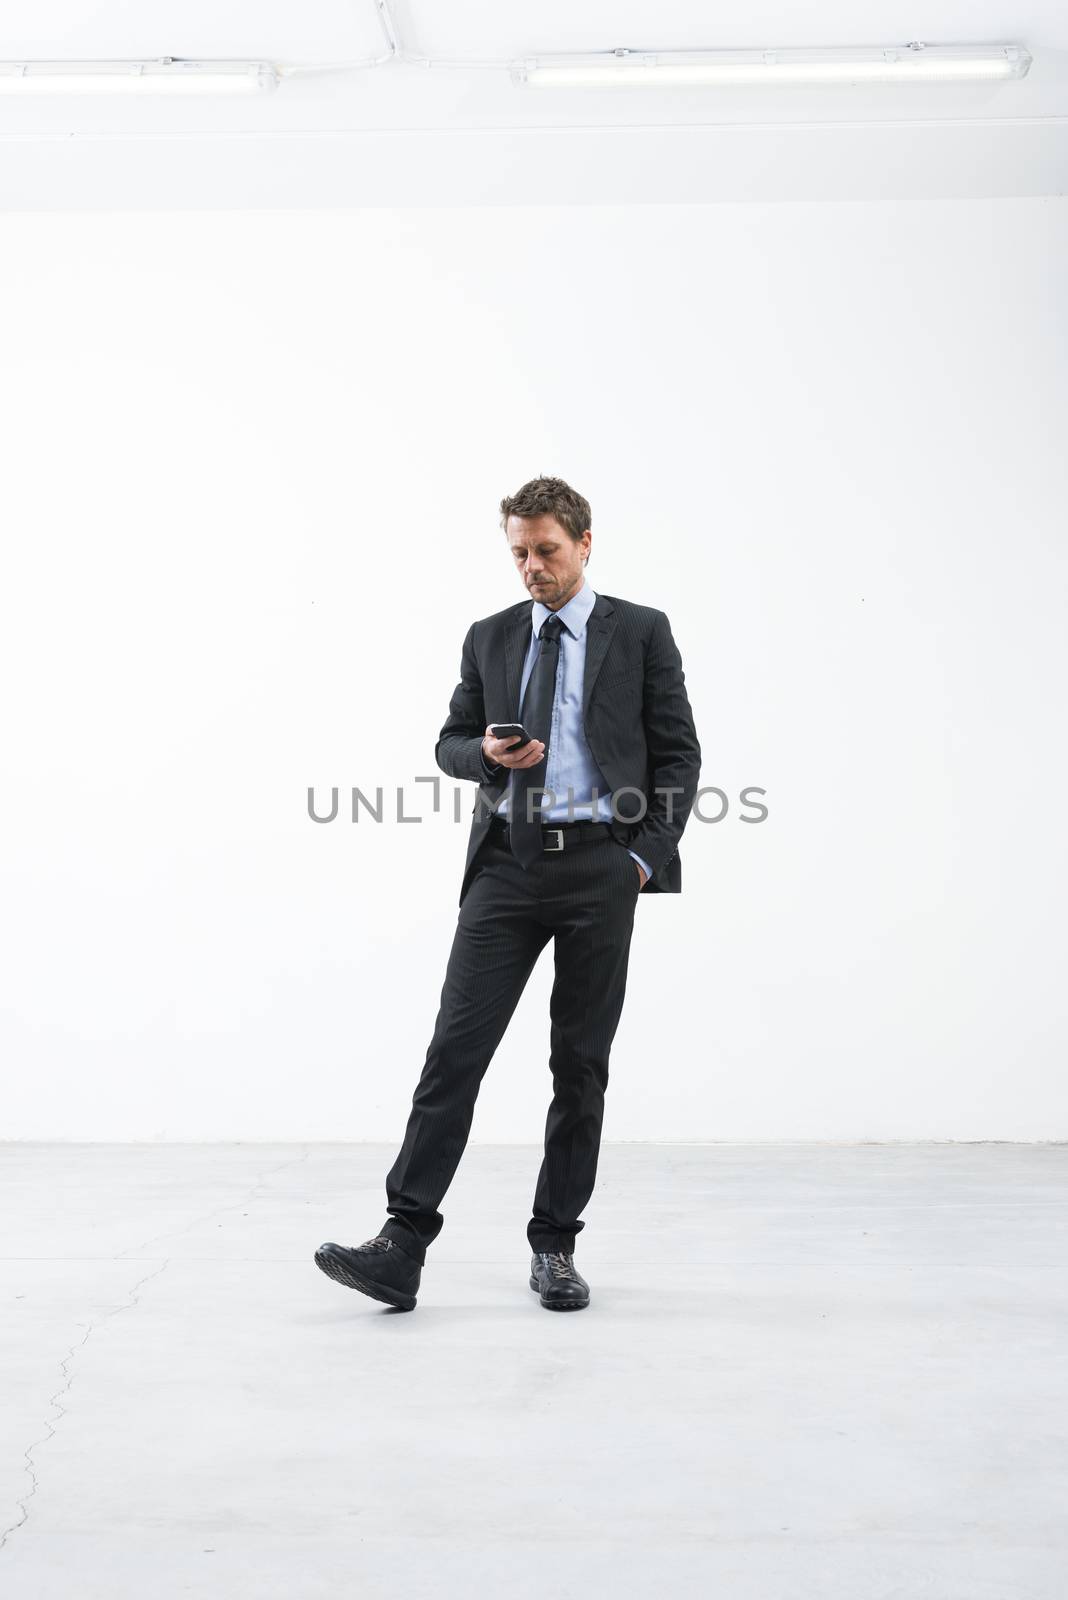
x: 891, y: 64
x: 167, y: 76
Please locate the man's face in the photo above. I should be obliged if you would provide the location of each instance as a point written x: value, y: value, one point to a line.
x: 547, y: 559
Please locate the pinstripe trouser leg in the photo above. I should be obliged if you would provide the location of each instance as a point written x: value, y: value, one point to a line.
x: 593, y: 919
x: 584, y: 897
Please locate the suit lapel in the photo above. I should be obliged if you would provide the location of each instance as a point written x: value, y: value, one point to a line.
x: 516, y: 642
x: 599, y: 631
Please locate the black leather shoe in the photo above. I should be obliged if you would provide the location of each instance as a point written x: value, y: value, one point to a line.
x: 561, y: 1286
x: 379, y: 1267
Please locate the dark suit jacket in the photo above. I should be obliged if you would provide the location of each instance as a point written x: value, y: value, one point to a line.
x: 635, y: 712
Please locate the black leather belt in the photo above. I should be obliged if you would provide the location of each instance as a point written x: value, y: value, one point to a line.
x: 560, y: 835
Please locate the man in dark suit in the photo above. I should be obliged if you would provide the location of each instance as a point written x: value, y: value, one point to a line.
x: 568, y: 828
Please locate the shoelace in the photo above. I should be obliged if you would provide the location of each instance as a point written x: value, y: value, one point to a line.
x: 560, y: 1264
x: 377, y: 1244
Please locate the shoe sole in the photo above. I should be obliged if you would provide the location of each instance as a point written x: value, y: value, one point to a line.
x: 558, y: 1305
x: 341, y: 1272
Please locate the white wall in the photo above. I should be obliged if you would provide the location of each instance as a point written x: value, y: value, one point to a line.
x: 251, y: 470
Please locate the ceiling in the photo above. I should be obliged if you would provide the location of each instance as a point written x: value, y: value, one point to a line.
x: 443, y: 125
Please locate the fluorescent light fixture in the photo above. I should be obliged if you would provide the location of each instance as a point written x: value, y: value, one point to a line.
x: 838, y: 67
x: 167, y: 76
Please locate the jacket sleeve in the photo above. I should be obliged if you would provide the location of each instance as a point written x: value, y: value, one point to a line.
x: 674, y: 752
x: 458, y: 751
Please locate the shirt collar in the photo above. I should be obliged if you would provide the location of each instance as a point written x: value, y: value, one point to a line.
x: 574, y: 615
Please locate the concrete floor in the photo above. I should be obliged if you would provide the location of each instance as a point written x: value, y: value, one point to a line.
x: 807, y: 1370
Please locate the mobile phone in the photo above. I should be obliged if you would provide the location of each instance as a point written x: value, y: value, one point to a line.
x: 505, y: 730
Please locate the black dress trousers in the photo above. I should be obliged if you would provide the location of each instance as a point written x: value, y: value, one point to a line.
x: 582, y: 897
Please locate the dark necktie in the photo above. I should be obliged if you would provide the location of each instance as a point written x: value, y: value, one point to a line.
x: 537, y: 712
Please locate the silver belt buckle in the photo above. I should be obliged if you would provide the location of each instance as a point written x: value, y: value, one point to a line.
x: 559, y: 845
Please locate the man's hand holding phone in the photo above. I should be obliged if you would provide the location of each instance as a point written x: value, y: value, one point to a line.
x: 514, y: 748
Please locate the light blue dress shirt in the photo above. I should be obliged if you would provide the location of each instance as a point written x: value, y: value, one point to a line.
x: 570, y: 764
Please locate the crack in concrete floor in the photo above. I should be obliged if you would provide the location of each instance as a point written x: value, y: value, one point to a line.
x: 55, y: 1401
x: 219, y: 1211
x: 65, y: 1365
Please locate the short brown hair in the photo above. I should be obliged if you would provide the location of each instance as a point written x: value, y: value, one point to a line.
x: 549, y: 497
